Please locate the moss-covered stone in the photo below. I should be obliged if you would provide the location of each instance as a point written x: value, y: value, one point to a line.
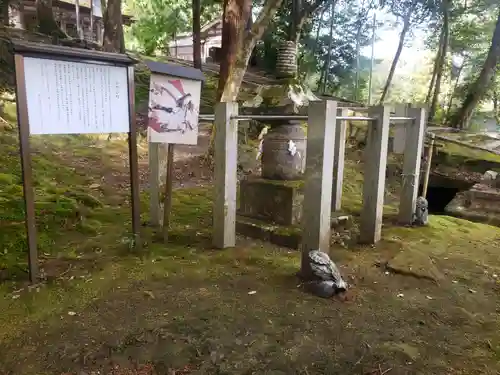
x: 271, y: 201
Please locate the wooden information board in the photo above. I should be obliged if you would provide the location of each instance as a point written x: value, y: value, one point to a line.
x: 62, y: 90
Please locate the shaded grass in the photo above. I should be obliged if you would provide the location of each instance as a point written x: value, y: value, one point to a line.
x: 189, y: 306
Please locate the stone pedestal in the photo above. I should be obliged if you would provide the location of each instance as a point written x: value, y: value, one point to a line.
x: 272, y: 201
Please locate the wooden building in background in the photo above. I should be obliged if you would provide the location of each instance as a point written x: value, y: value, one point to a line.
x: 22, y: 15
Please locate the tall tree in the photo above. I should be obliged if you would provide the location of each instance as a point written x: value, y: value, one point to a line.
x: 196, y: 33
x: 410, y: 12
x: 234, y: 21
x: 113, y: 40
x: 326, y: 75
x: 435, y: 68
x: 480, y: 86
x: 238, y: 44
x: 4, y: 12
x: 302, y: 12
x: 442, y: 57
x: 46, y: 22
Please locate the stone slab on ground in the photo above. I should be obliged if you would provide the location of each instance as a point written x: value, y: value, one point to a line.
x: 281, y: 235
x: 481, y: 203
x: 415, y: 263
x: 289, y: 237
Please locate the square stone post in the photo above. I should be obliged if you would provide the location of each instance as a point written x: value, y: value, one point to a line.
x: 375, y: 156
x: 318, y: 178
x: 399, y: 144
x: 225, y: 175
x: 411, y: 165
x: 338, y: 162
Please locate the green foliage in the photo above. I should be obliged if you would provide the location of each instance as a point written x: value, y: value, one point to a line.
x: 470, y: 37
x: 160, y: 21
x: 350, y: 24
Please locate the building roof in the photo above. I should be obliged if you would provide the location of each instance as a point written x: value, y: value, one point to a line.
x: 203, y: 29
x: 175, y: 70
x: 86, y: 4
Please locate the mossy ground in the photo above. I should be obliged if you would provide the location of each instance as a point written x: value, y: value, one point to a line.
x: 186, y: 308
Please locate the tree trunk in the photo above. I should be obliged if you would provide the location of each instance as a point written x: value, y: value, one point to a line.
x: 442, y: 60
x: 316, y: 39
x: 234, y: 20
x: 4, y: 13
x: 307, y: 14
x: 196, y: 34
x: 236, y: 57
x: 453, y: 91
x: 402, y: 36
x: 234, y: 81
x: 113, y: 40
x: 46, y: 22
x: 480, y: 86
x: 435, y: 68
x: 326, y: 74
x: 496, y: 109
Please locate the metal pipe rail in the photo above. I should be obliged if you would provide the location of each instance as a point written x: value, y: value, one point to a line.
x: 301, y: 117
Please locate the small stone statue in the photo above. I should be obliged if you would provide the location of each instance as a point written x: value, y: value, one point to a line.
x: 421, y: 212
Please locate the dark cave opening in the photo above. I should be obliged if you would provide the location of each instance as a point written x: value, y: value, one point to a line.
x: 442, y: 190
x: 438, y: 198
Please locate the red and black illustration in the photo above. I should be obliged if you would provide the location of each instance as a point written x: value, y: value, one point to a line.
x: 171, y: 108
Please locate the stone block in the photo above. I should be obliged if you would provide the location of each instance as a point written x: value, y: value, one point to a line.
x: 284, y: 236
x: 271, y: 201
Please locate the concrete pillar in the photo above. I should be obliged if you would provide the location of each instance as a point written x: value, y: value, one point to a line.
x: 318, y: 176
x: 415, y: 132
x: 399, y: 144
x: 375, y: 156
x: 338, y: 162
x: 225, y: 180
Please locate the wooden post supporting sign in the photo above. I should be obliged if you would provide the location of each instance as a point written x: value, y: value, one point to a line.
x: 173, y: 119
x: 56, y: 91
x: 24, y: 145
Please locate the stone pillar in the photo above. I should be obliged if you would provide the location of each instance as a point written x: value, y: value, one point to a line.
x: 399, y: 144
x: 225, y: 175
x: 338, y: 164
x: 316, y: 215
x: 411, y: 165
x: 375, y: 156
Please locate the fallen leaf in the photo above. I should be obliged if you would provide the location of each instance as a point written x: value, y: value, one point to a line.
x: 71, y: 313
x: 94, y: 186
